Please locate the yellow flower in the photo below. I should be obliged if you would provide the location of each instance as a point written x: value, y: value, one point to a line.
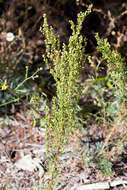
x: 4, y: 87
x: 41, y: 68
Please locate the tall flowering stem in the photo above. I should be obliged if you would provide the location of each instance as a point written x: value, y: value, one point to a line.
x: 65, y: 65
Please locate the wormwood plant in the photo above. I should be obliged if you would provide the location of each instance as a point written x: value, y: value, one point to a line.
x: 115, y: 109
x: 110, y: 95
x: 65, y: 64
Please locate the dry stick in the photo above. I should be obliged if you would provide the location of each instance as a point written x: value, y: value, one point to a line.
x: 114, y: 149
x: 101, y: 185
x: 109, y: 136
x: 107, y: 140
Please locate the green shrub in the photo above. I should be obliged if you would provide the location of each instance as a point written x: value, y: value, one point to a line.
x: 65, y: 65
x: 115, y: 108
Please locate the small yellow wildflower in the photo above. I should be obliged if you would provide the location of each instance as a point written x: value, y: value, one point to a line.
x: 4, y: 87
x: 41, y: 68
x: 37, y: 76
